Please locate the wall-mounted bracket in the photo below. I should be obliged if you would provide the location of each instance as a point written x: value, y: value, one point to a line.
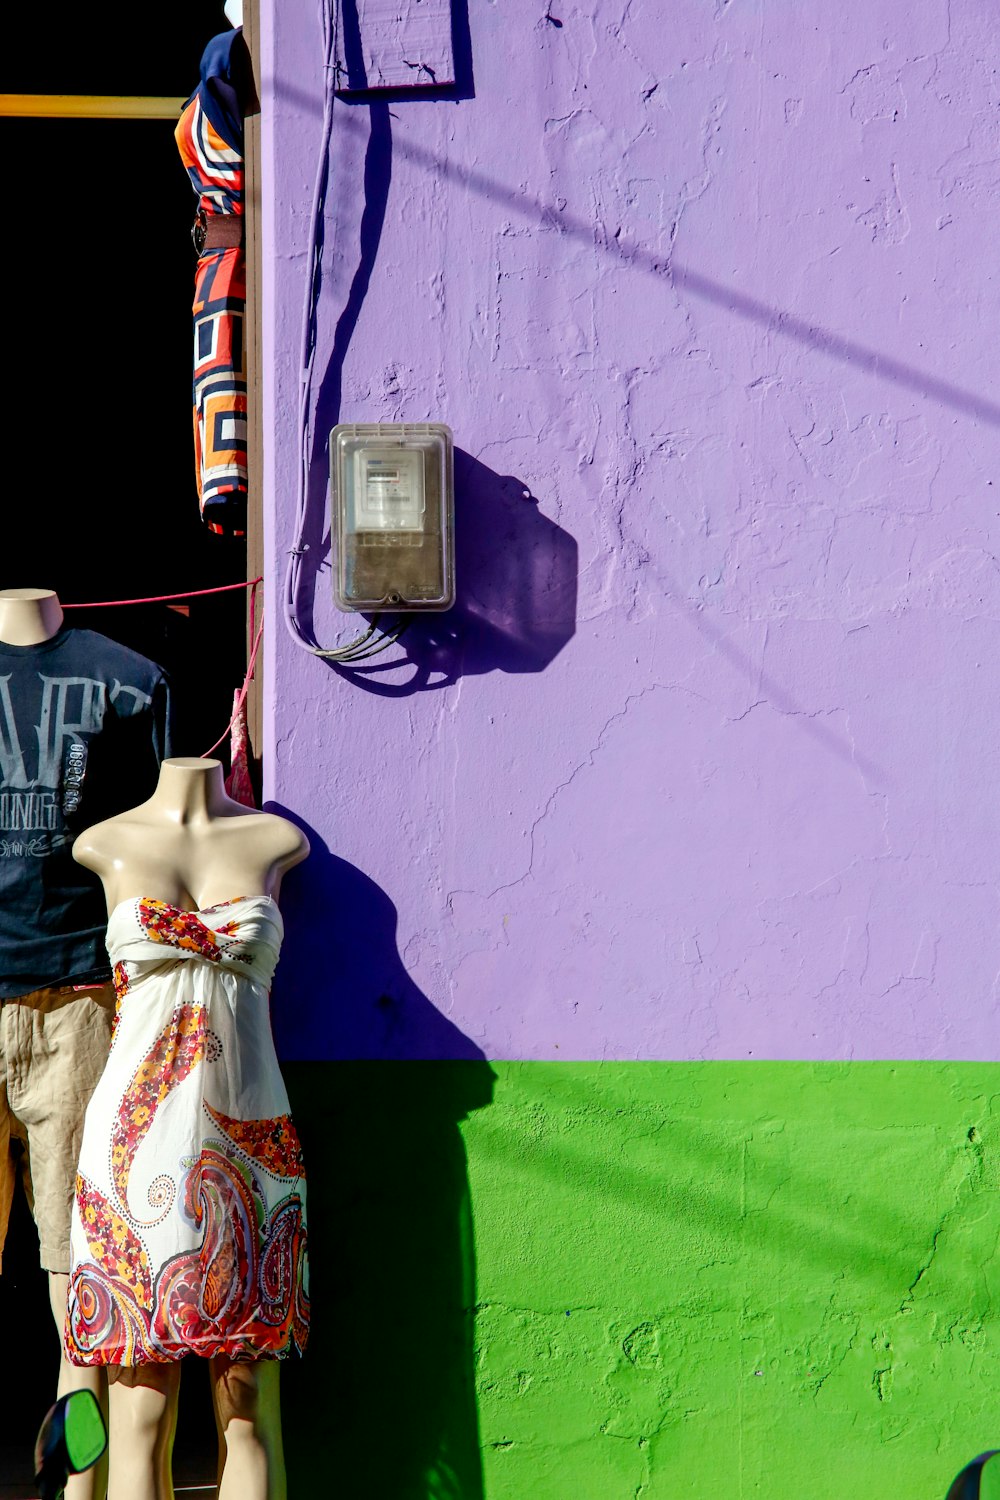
x: 394, y: 44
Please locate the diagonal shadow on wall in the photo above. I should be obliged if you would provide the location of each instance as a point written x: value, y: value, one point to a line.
x: 384, y: 1403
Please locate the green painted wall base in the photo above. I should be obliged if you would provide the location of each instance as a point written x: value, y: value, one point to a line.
x: 651, y: 1280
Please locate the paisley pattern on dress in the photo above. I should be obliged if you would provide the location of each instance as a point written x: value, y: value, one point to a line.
x: 112, y: 1244
x: 179, y: 929
x: 241, y: 1294
x: 178, y: 1049
x: 119, y: 976
x: 220, y: 1264
x: 112, y: 1292
x: 273, y: 1144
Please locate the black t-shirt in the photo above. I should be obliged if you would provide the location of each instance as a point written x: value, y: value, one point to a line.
x: 83, y: 728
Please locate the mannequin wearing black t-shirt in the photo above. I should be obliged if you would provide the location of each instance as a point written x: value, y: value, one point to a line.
x: 82, y: 730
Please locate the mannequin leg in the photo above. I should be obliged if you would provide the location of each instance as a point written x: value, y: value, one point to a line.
x: 143, y: 1406
x: 91, y: 1485
x: 247, y: 1404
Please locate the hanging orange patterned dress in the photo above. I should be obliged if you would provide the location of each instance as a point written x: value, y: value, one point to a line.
x: 209, y: 137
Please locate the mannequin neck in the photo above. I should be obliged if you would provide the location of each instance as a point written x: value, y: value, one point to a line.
x: 29, y: 616
x: 192, y: 791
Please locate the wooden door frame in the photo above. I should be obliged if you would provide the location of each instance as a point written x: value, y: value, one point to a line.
x: 253, y: 335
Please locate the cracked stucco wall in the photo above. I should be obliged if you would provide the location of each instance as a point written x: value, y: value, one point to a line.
x: 746, y: 1279
x: 703, y: 766
x: 718, y: 294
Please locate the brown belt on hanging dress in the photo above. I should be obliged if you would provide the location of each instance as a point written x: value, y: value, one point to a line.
x: 216, y: 231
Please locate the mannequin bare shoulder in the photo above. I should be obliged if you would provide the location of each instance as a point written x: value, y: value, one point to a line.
x: 191, y: 844
x: 252, y: 839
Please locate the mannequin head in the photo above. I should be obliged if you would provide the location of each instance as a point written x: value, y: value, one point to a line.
x: 234, y: 12
x: 29, y: 616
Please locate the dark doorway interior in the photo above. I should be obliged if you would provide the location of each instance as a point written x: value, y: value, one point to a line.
x: 97, y: 455
x: 97, y: 420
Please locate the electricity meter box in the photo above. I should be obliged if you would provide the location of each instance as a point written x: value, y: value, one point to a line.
x: 393, y: 515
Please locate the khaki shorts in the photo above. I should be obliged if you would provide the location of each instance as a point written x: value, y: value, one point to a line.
x: 53, y: 1047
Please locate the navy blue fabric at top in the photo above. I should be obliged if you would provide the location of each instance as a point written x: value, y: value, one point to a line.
x: 225, y: 85
x: 83, y: 728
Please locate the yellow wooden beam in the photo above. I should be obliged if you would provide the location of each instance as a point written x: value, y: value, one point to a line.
x: 90, y: 107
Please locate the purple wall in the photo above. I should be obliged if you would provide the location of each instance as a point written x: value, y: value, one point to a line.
x: 703, y: 765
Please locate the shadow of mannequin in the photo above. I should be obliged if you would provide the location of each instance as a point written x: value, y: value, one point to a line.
x: 384, y: 1403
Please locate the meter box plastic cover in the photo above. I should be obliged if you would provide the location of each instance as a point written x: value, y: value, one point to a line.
x: 393, y: 515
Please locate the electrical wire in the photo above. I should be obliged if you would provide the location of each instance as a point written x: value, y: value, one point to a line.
x: 362, y: 646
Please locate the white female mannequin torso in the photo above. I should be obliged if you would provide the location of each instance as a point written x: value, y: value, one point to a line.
x: 190, y: 843
x: 192, y: 846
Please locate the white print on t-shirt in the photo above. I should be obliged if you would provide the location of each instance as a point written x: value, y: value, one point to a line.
x: 39, y: 847
x: 71, y: 707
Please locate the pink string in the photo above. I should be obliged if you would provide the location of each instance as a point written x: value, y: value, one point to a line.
x: 251, y: 583
x: 242, y: 695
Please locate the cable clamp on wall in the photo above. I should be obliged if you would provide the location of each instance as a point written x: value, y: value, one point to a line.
x: 363, y: 645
